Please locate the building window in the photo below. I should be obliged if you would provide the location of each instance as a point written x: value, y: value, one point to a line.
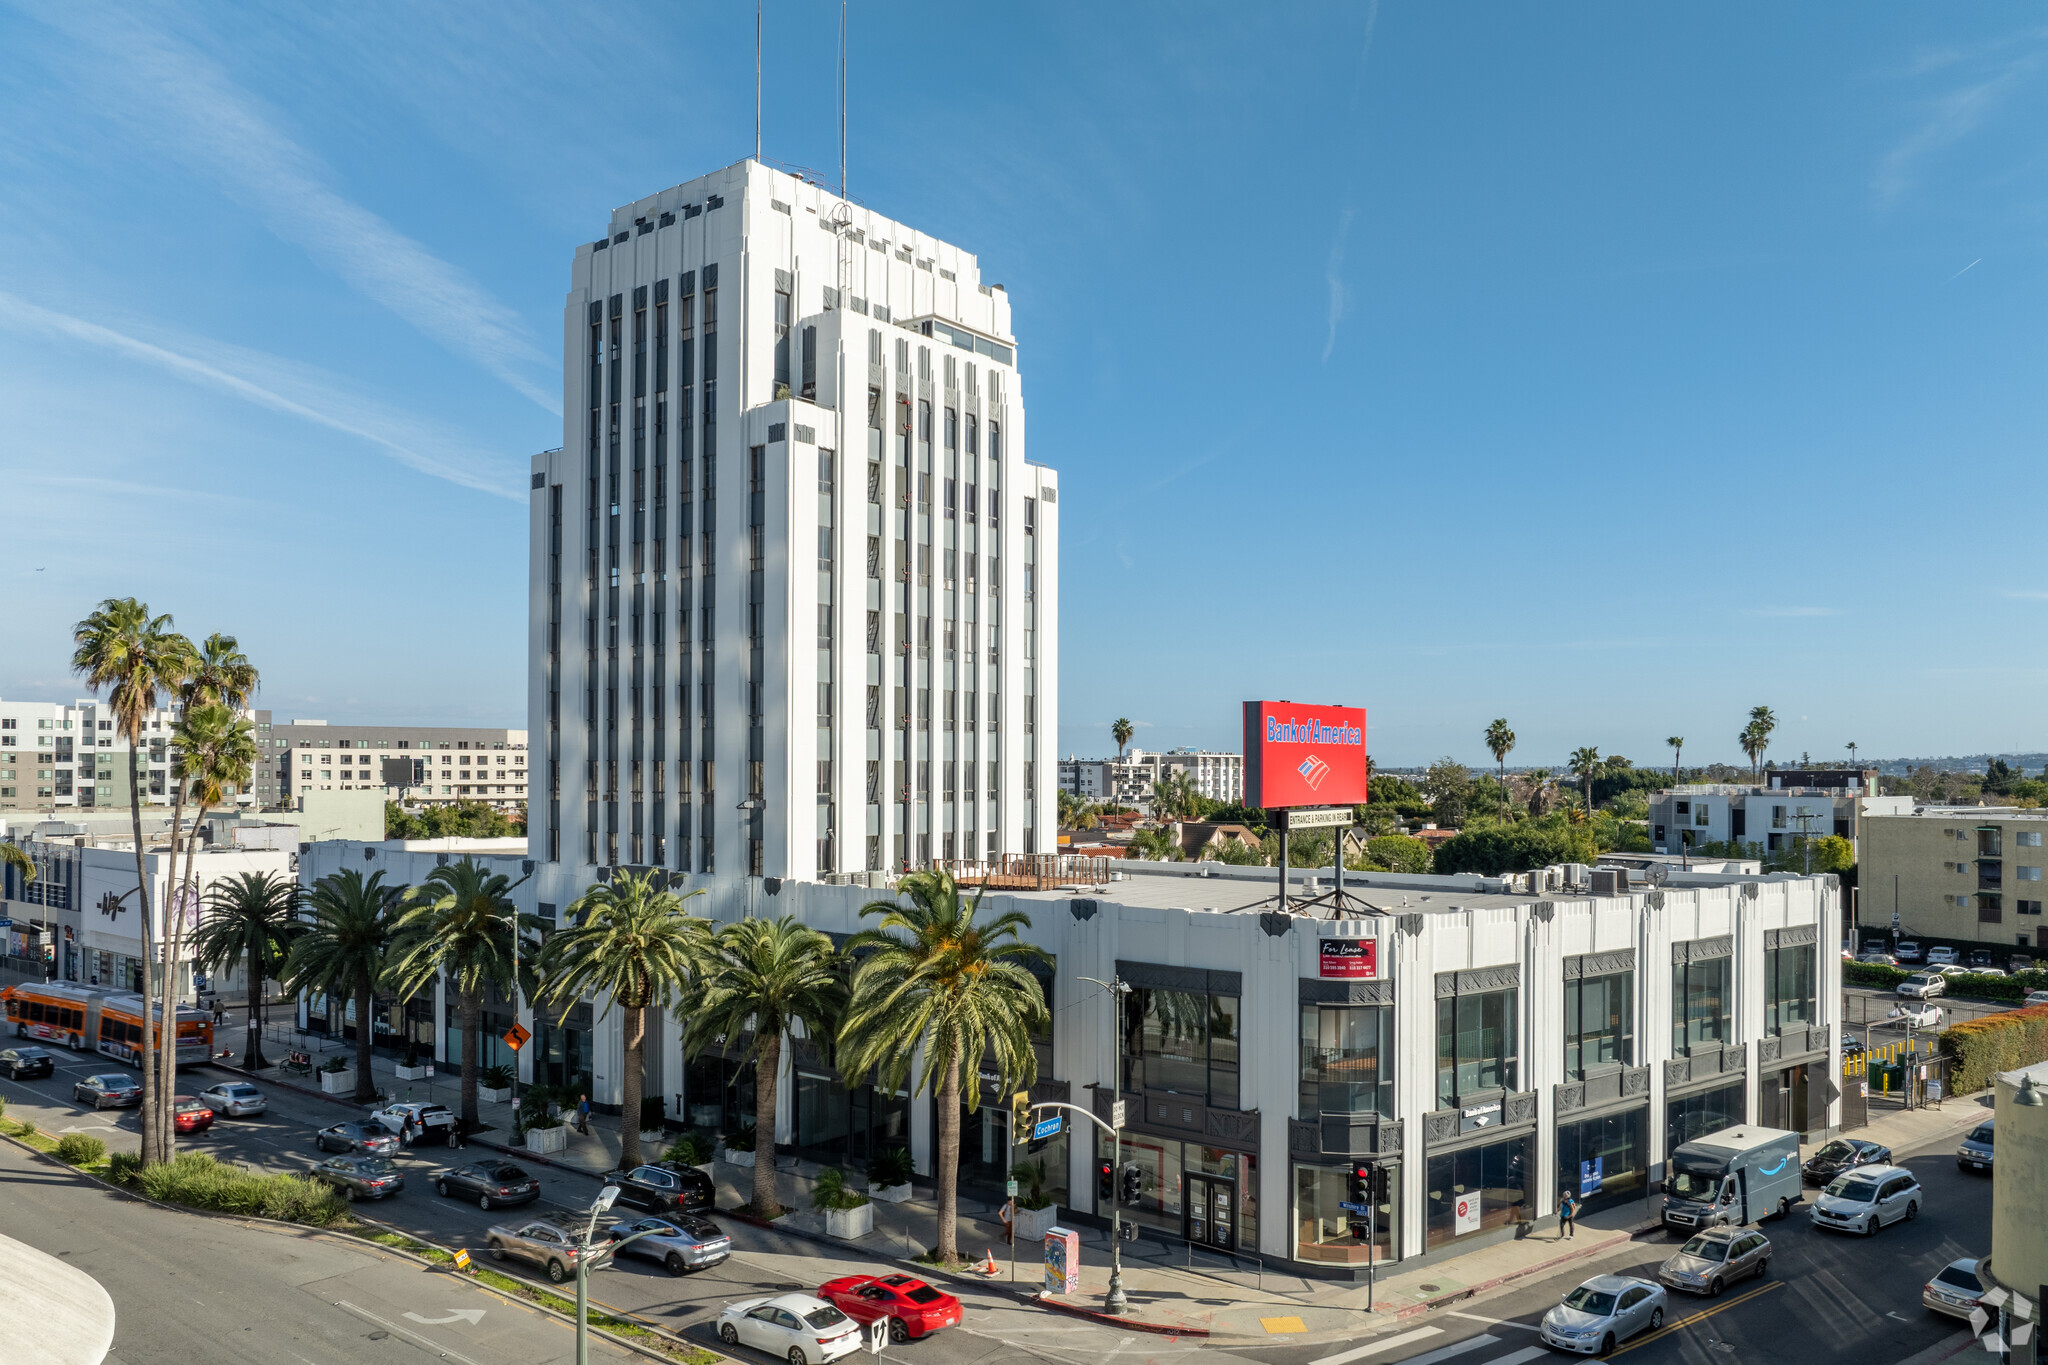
x: 1599, y: 1023
x: 1476, y: 1190
x: 1988, y: 841
x: 1334, y: 1235
x: 1705, y: 1111
x: 1605, y: 1160
x: 1700, y: 1001
x: 1182, y: 1042
x: 1990, y: 907
x: 1475, y: 1044
x: 1788, y: 988
x: 1347, y: 1060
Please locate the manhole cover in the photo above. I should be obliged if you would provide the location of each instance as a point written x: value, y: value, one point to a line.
x: 1427, y: 1288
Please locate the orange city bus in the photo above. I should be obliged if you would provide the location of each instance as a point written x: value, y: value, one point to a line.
x: 98, y: 1019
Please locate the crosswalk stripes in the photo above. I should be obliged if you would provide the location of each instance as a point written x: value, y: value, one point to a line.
x: 1375, y: 1347
x: 1523, y: 1356
x: 1456, y: 1348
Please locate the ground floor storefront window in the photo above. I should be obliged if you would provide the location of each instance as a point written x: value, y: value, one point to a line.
x: 1476, y: 1190
x: 494, y: 1022
x: 1605, y: 1160
x: 1207, y: 1195
x: 987, y: 1157
x: 1329, y: 1233
x: 562, y: 1056
x: 837, y: 1126
x: 1704, y: 1111
x: 718, y: 1094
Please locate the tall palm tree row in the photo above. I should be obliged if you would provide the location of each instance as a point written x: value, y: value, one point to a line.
x: 941, y: 990
x: 1585, y: 762
x: 1121, y: 731
x: 1756, y: 737
x: 459, y: 924
x: 140, y: 660
x: 630, y: 939
x: 251, y: 920
x: 342, y: 952
x: 755, y: 980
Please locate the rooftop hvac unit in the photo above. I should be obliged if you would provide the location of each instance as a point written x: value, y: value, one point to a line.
x: 1610, y: 881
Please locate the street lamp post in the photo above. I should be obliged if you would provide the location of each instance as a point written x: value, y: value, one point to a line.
x: 605, y: 1197
x: 1115, y: 1301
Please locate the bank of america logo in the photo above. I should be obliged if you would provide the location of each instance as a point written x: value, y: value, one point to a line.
x: 1313, y: 770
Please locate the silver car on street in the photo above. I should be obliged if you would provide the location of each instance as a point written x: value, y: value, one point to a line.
x: 234, y: 1099
x: 1713, y: 1260
x: 361, y: 1177
x: 550, y: 1241
x: 1601, y: 1312
x: 682, y: 1242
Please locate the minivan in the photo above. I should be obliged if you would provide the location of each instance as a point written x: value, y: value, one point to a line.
x: 1867, y: 1198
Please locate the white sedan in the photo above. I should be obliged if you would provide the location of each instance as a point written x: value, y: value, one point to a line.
x: 1922, y: 1015
x: 799, y: 1328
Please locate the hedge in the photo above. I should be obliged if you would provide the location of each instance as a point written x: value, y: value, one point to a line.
x: 1877, y: 976
x: 80, y: 1149
x: 1978, y: 1049
x: 198, y: 1181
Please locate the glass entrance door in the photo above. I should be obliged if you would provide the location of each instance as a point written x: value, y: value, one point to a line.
x: 1211, y: 1212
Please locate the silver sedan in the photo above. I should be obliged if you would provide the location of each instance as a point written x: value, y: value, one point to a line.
x: 1713, y: 1260
x: 682, y: 1242
x: 361, y: 1177
x: 234, y: 1098
x: 1601, y: 1312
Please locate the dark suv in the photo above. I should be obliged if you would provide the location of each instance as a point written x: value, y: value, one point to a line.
x: 667, y: 1187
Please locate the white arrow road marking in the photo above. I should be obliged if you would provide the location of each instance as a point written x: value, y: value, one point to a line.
x: 89, y: 1128
x: 428, y: 1342
x: 472, y: 1315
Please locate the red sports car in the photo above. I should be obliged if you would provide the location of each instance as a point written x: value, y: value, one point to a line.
x: 913, y: 1308
x: 191, y: 1116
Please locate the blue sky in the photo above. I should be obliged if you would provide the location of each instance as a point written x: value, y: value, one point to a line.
x: 1611, y: 368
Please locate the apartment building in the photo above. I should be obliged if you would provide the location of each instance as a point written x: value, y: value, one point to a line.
x: 1775, y: 813
x: 794, y: 580
x: 1970, y: 876
x: 414, y: 764
x: 68, y: 756
x: 1128, y: 781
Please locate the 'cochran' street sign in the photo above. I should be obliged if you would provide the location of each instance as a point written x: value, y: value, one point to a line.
x: 1348, y: 959
x: 1298, y: 755
x: 1046, y: 1128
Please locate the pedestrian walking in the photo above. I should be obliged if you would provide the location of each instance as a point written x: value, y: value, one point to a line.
x: 583, y: 1115
x: 220, y: 1014
x: 1568, y: 1214
x: 1008, y: 1213
x: 458, y: 1135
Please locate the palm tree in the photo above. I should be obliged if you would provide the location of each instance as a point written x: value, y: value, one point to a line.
x: 630, y: 940
x: 251, y: 921
x: 1756, y: 737
x: 343, y: 952
x: 1156, y: 845
x: 459, y: 924
x: 213, y: 754
x: 1585, y: 762
x: 1121, y: 731
x: 139, y: 659
x: 755, y: 978
x: 1852, y: 753
x: 1501, y: 741
x: 12, y: 856
x: 1677, y: 743
x: 951, y: 994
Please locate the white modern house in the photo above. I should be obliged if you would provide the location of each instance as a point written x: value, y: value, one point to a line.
x: 794, y: 580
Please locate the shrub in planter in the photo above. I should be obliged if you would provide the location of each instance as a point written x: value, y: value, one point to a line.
x: 742, y: 1141
x: 1030, y: 1178
x: 688, y: 1150
x: 495, y: 1078
x: 1978, y: 1049
x: 891, y: 1167
x: 831, y: 1192
x: 80, y: 1149
x: 333, y: 1066
x: 412, y: 1054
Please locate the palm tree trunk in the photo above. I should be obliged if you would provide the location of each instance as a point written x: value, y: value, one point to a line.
x: 252, y: 1053
x: 175, y: 933
x: 151, y: 1152
x: 471, y: 1006
x: 629, y: 1119
x: 767, y: 1068
x: 157, y: 1104
x: 366, y: 1086
x: 948, y: 1176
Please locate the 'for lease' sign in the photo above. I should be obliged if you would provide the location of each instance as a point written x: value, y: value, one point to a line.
x: 1353, y: 958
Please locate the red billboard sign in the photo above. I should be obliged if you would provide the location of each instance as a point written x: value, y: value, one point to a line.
x: 1303, y: 755
x: 1348, y: 958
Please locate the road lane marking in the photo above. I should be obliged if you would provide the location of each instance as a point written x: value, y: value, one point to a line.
x: 472, y: 1316
x: 1668, y: 1328
x: 1494, y: 1322
x: 428, y: 1342
x: 1375, y: 1347
x: 1523, y: 1356
x: 1456, y: 1348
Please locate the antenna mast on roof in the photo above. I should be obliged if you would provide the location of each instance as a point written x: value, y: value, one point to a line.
x: 842, y: 107
x: 757, y: 80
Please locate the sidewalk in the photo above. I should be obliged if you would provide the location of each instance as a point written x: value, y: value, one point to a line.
x: 1173, y: 1288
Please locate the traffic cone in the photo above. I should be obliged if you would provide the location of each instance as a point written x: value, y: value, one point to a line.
x: 988, y: 1266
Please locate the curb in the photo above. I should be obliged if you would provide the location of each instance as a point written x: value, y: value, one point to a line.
x: 307, y: 1229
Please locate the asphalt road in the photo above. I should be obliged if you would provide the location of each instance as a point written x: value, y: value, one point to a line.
x: 1827, y: 1298
x: 202, y: 1289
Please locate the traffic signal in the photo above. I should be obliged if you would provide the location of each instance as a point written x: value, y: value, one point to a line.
x: 1133, y: 1181
x: 1105, y: 1181
x: 1020, y: 1112
x: 1361, y: 1182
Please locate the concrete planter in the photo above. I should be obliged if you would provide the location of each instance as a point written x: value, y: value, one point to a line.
x: 488, y: 1095
x: 850, y: 1222
x: 1033, y: 1224
x: 412, y: 1073
x: 652, y: 1140
x: 544, y: 1140
x: 336, y: 1082
x: 890, y: 1194
x: 732, y: 1158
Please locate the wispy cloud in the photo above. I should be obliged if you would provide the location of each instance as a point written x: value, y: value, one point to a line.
x: 1792, y: 611
x: 311, y: 399
x: 1948, y: 118
x: 2028, y: 595
x: 1333, y: 276
x: 176, y: 98
x: 1965, y: 270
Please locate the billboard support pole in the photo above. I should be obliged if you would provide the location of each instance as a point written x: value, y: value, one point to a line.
x: 1283, y: 862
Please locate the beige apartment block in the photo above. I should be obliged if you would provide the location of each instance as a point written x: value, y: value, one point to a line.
x: 1968, y: 875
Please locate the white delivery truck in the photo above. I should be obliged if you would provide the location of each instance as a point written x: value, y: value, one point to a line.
x: 1738, y: 1175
